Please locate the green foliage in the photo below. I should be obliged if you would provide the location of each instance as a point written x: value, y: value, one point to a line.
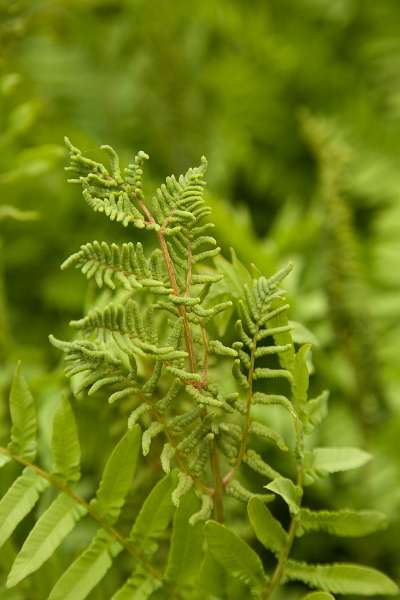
x: 152, y: 346
x: 318, y: 187
x: 342, y: 578
x: 236, y: 557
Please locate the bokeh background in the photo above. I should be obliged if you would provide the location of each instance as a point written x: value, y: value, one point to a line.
x: 296, y: 104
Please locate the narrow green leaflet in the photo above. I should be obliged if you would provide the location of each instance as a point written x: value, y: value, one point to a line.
x: 332, y: 460
x: 319, y: 596
x: 117, y: 476
x: 267, y: 529
x: 23, y: 418
x: 288, y: 491
x: 65, y: 443
x: 346, y: 523
x: 186, y: 545
x: 87, y: 570
x: 341, y: 578
x: 19, y: 501
x: 237, y: 558
x: 48, y: 533
x: 138, y: 587
x: 156, y: 512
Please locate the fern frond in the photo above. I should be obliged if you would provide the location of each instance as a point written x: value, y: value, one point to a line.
x: 347, y: 523
x: 23, y: 418
x: 341, y: 578
x: 109, y: 191
x: 236, y: 557
x: 129, y: 330
x: 124, y: 265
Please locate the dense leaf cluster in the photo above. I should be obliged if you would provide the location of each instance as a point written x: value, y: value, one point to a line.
x: 200, y: 353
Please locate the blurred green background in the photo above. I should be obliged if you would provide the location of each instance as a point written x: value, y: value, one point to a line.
x: 296, y: 104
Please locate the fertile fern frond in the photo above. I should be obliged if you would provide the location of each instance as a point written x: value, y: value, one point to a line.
x: 124, y: 265
x: 107, y: 190
x: 131, y: 330
x: 178, y: 208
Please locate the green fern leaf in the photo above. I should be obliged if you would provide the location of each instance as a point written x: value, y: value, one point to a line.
x: 87, y: 570
x: 212, y: 579
x: 186, y: 545
x: 48, y: 533
x: 125, y: 328
x: 19, y: 500
x: 332, y: 460
x: 215, y: 582
x: 290, y: 492
x: 65, y: 443
x: 138, y: 587
x: 267, y: 529
x: 346, y: 523
x: 23, y: 418
x: 236, y: 557
x: 108, y: 191
x: 117, y: 476
x: 156, y: 512
x: 341, y: 578
x: 124, y: 265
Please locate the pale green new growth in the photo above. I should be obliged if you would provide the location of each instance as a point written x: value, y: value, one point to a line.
x: 197, y: 353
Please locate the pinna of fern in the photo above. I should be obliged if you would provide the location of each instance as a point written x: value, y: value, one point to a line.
x: 155, y: 346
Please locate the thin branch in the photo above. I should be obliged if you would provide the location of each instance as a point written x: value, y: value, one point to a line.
x: 219, y: 488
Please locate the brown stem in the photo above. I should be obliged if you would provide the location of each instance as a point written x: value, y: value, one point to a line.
x: 219, y: 488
